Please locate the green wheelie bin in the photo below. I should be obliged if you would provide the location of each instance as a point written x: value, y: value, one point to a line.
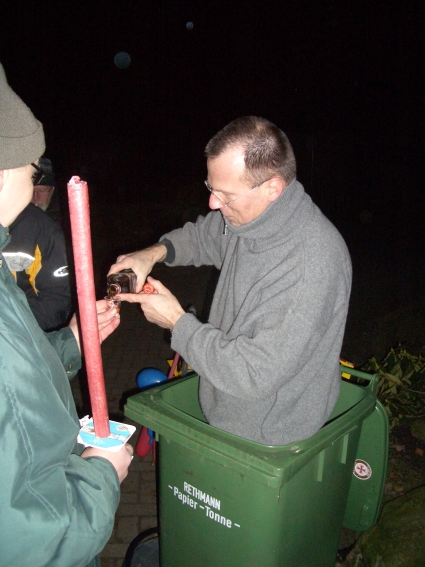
x: 225, y: 501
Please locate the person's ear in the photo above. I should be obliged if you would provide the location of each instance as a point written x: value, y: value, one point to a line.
x: 276, y: 188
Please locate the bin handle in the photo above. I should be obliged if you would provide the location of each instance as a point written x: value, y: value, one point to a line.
x: 373, y: 379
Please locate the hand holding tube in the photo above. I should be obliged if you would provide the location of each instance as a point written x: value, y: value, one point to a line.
x: 107, y: 321
x: 120, y: 460
x: 161, y: 308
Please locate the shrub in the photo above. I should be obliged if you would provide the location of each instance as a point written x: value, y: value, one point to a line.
x: 401, y: 387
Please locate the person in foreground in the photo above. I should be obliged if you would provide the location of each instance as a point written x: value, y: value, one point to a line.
x: 268, y: 358
x: 57, y: 499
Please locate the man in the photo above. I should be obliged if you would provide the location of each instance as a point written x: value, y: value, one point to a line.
x: 37, y: 257
x: 45, y: 197
x: 268, y: 357
x: 57, y: 499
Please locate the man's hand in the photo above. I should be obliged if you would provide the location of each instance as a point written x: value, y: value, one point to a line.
x: 108, y: 320
x: 120, y: 460
x: 161, y: 307
x: 140, y: 262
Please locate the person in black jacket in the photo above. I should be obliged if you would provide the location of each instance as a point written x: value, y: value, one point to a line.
x: 45, y: 195
x: 37, y: 257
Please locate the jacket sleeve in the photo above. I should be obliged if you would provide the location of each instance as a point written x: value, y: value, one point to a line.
x: 198, y: 244
x: 57, y: 508
x: 66, y: 347
x: 93, y: 491
x: 63, y: 516
x: 276, y: 333
x: 49, y: 294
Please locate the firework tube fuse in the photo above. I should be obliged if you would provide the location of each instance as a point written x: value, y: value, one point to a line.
x: 148, y: 288
x: 81, y: 243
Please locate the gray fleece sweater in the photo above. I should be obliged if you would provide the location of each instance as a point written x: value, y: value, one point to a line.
x: 269, y: 356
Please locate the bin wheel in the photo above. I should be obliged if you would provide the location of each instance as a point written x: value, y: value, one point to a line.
x: 143, y: 551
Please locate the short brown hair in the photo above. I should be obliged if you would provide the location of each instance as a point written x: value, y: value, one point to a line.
x: 266, y: 148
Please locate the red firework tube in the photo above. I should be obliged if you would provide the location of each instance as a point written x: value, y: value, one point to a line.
x: 79, y: 209
x: 148, y: 288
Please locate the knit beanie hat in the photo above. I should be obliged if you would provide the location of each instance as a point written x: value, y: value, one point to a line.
x: 21, y: 134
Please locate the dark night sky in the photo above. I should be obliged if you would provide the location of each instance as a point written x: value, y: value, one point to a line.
x: 344, y: 79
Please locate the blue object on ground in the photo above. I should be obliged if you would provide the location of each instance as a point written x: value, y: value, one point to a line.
x: 149, y: 377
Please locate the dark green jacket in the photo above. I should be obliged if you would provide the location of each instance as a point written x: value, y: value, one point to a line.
x: 56, y: 509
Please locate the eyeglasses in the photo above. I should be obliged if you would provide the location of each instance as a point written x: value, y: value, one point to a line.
x: 223, y: 203
x: 37, y: 176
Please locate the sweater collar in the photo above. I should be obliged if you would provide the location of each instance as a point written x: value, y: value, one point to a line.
x: 290, y: 212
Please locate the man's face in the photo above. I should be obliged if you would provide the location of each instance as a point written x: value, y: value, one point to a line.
x: 42, y: 196
x: 224, y: 176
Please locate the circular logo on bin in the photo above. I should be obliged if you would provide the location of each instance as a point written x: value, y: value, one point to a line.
x: 362, y: 469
